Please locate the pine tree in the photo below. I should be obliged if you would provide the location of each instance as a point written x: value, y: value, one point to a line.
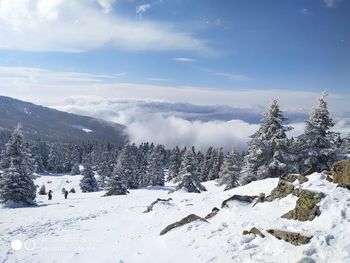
x: 155, y: 170
x: 115, y: 185
x: 207, y: 165
x: 104, y: 170
x: 268, y: 152
x: 16, y: 182
x: 75, y: 169
x: 88, y: 182
x: 189, y: 176
x: 54, y: 161
x: 42, y: 190
x: 216, y: 162
x: 230, y: 170
x: 174, y: 164
x: 317, y: 142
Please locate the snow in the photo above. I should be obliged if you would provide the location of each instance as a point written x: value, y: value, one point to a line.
x: 88, y: 227
x: 82, y: 128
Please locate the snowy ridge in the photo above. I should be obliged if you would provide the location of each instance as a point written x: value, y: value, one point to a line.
x: 115, y: 228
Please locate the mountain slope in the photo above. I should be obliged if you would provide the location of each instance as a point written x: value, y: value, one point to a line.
x: 86, y: 226
x: 53, y: 125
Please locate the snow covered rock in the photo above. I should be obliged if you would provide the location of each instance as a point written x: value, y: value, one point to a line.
x: 254, y: 231
x: 240, y: 198
x: 306, y: 208
x: 159, y: 200
x: 213, y: 213
x: 341, y: 172
x: 283, y: 189
x: 188, y: 219
x: 296, y: 239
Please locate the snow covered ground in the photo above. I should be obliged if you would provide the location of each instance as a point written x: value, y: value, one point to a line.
x: 89, y: 228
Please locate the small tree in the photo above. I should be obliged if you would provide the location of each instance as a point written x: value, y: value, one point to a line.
x: 230, y: 170
x: 88, y: 183
x: 42, y: 190
x: 189, y: 176
x: 115, y: 185
x: 75, y: 169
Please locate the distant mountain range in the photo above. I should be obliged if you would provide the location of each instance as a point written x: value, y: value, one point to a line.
x: 52, y: 125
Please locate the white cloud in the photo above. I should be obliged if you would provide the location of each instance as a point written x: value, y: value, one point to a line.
x: 183, y: 59
x: 305, y: 11
x: 77, y: 26
x: 331, y: 3
x: 141, y: 9
x: 158, y: 79
x: 232, y: 76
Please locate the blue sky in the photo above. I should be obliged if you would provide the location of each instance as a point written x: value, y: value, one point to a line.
x: 297, y: 45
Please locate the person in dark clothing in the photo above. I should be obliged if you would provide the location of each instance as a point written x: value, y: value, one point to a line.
x: 65, y: 194
x: 50, y: 195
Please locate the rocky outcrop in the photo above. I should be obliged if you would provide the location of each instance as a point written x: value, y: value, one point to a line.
x: 282, y: 189
x: 150, y: 207
x: 188, y: 219
x: 296, y: 239
x: 239, y: 198
x: 291, y: 178
x: 341, y: 172
x: 254, y: 231
x: 213, y: 213
x: 306, y: 208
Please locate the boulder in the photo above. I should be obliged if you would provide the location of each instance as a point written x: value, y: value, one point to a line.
x: 239, y: 198
x: 254, y: 231
x: 341, y: 172
x: 283, y: 189
x: 188, y: 219
x: 296, y: 239
x: 150, y: 207
x: 302, y: 179
x: 306, y: 208
x: 344, y: 186
x: 213, y: 213
x: 306, y: 260
x: 260, y: 199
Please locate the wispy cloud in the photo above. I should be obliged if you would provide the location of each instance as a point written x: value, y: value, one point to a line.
x: 183, y: 59
x: 141, y: 9
x: 78, y: 26
x: 232, y: 76
x: 158, y: 79
x: 304, y: 11
x: 331, y: 3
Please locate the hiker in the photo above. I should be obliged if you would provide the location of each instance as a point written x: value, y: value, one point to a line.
x: 50, y: 195
x: 65, y: 194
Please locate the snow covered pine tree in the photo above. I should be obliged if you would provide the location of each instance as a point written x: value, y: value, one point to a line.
x: 268, y: 151
x: 17, y: 181
x: 317, y: 142
x: 88, y: 183
x: 230, y: 170
x: 188, y: 175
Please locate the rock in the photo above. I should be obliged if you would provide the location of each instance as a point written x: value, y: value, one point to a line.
x: 289, y: 177
x: 150, y: 207
x: 260, y: 199
x: 326, y: 172
x: 291, y: 237
x: 302, y: 179
x: 240, y: 198
x: 188, y: 219
x: 213, y: 213
x: 309, y: 171
x: 329, y: 179
x: 254, y: 231
x: 344, y: 186
x: 341, y: 172
x: 306, y: 260
x: 306, y: 208
x: 283, y: 189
